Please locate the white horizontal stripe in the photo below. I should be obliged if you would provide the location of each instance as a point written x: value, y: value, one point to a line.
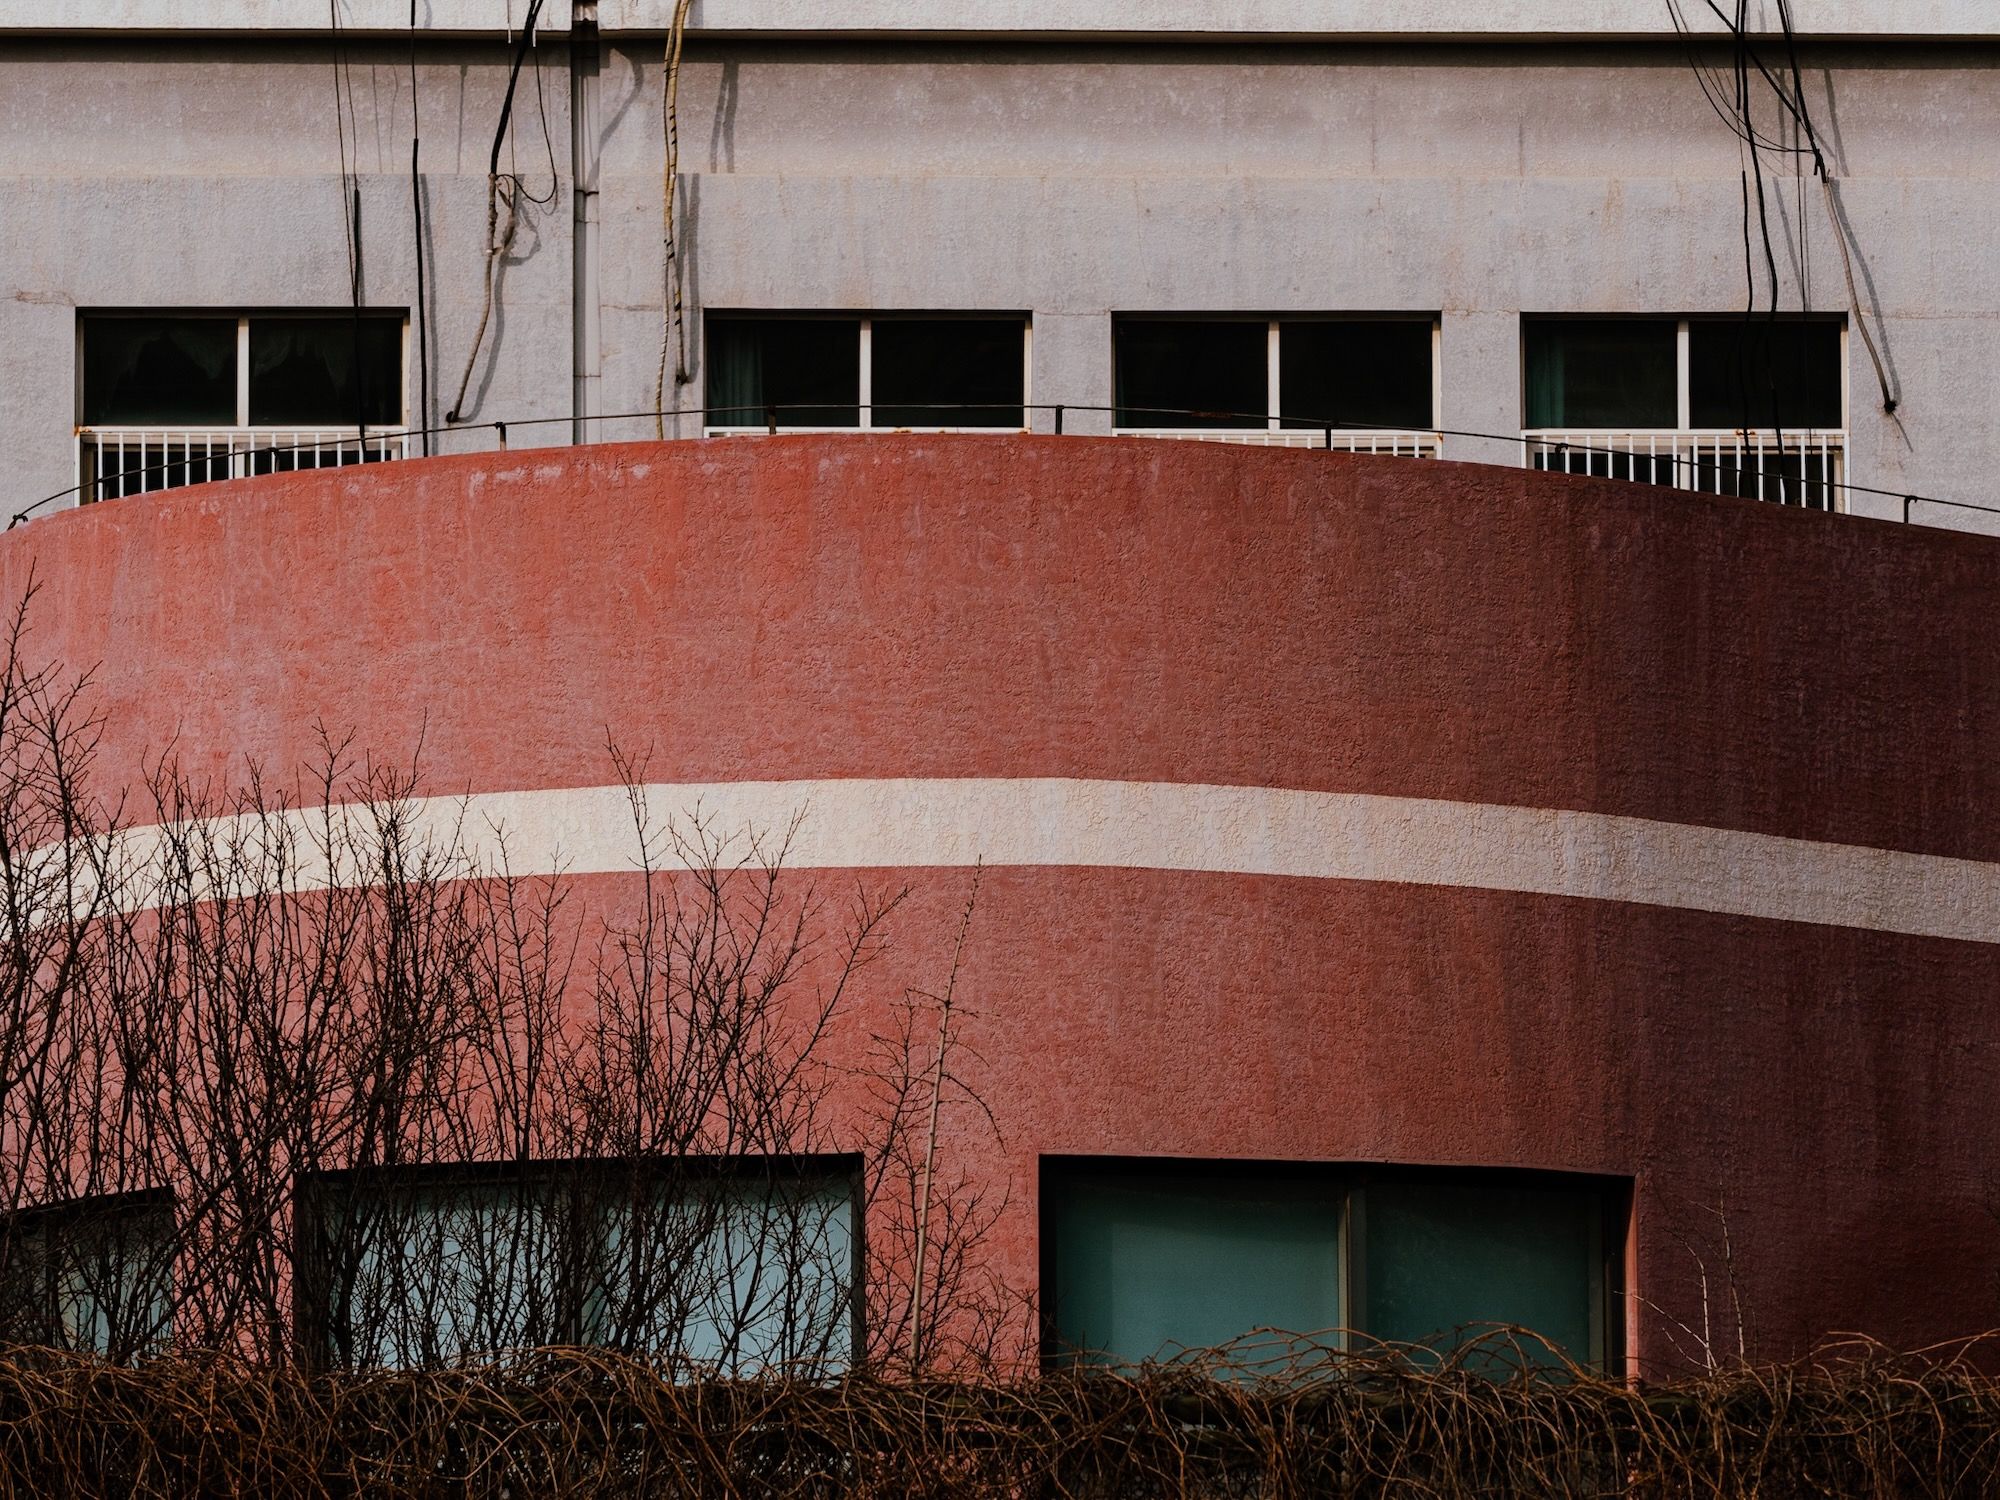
x: 1047, y: 821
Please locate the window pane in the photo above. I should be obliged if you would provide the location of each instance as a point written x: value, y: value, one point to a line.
x: 1369, y: 374
x: 326, y: 372
x: 1197, y: 373
x: 434, y: 1275
x: 159, y: 371
x: 1764, y: 374
x: 971, y: 367
x: 1444, y: 1257
x: 807, y: 368
x: 1147, y: 1263
x: 737, y: 1276
x: 95, y: 1276
x: 1614, y: 373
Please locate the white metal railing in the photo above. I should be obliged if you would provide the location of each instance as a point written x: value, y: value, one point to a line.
x: 118, y: 461
x: 1806, y: 467
x: 1399, y: 443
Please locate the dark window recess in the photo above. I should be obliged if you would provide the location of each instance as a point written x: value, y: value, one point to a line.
x: 1192, y: 373
x: 1446, y: 1260
x: 1141, y: 1260
x: 141, y: 372
x: 94, y: 1274
x: 1764, y: 373
x: 1147, y: 1262
x: 326, y: 372
x: 1374, y: 373
x: 1610, y: 373
x: 947, y: 372
x: 805, y: 371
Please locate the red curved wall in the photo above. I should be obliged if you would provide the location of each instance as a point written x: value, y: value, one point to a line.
x: 1003, y: 607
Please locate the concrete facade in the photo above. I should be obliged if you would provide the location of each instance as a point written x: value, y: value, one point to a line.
x: 1065, y: 162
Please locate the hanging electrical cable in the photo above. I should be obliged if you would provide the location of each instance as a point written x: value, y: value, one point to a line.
x: 673, y: 330
x: 1732, y: 107
x: 502, y: 191
x: 417, y: 224
x: 350, y: 207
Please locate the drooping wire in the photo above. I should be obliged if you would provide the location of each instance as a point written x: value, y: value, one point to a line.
x: 350, y: 205
x: 673, y: 331
x: 417, y: 219
x: 548, y: 140
x: 1734, y: 112
x: 501, y: 191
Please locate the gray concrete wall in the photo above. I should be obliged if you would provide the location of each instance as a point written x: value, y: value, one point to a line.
x: 204, y: 175
x: 1071, y: 179
x: 1191, y: 18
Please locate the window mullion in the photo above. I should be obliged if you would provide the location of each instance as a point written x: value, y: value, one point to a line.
x: 1028, y: 374
x: 867, y: 372
x: 1273, y: 396
x: 1685, y: 406
x: 243, y: 372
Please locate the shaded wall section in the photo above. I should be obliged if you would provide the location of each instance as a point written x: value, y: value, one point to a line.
x: 1019, y: 607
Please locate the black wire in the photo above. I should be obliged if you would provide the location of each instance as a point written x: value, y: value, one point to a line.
x: 1712, y: 88
x: 1330, y: 424
x: 350, y: 196
x: 1803, y: 113
x: 548, y: 140
x: 417, y: 218
x: 513, y: 80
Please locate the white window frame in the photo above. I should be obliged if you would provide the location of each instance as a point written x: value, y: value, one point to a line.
x: 108, y: 450
x: 1408, y: 442
x: 866, y: 386
x: 1694, y: 452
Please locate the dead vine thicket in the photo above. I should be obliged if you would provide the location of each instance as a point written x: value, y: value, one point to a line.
x: 1851, y: 1422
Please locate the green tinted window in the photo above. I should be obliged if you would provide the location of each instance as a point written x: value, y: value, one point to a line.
x: 1444, y: 1257
x: 802, y: 372
x: 1147, y: 1263
x: 1608, y: 373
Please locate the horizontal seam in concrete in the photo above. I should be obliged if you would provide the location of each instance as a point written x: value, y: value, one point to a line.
x: 1237, y: 830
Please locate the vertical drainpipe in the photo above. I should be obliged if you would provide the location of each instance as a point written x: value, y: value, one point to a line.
x: 585, y: 307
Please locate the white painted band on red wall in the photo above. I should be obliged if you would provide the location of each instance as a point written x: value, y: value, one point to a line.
x: 1052, y: 821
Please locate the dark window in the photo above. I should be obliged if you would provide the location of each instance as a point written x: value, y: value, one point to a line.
x: 1373, y: 373
x: 94, y: 1274
x: 946, y: 372
x: 1764, y: 374
x: 804, y: 371
x: 1601, y: 373
x: 1192, y: 373
x: 1444, y: 1257
x: 1143, y: 1259
x: 1148, y: 1261
x: 141, y: 372
x: 326, y: 372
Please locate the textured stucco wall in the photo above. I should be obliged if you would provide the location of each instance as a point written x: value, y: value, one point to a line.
x: 181, y: 175
x: 1069, y: 179
x: 988, y: 612
x: 1504, y: 18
